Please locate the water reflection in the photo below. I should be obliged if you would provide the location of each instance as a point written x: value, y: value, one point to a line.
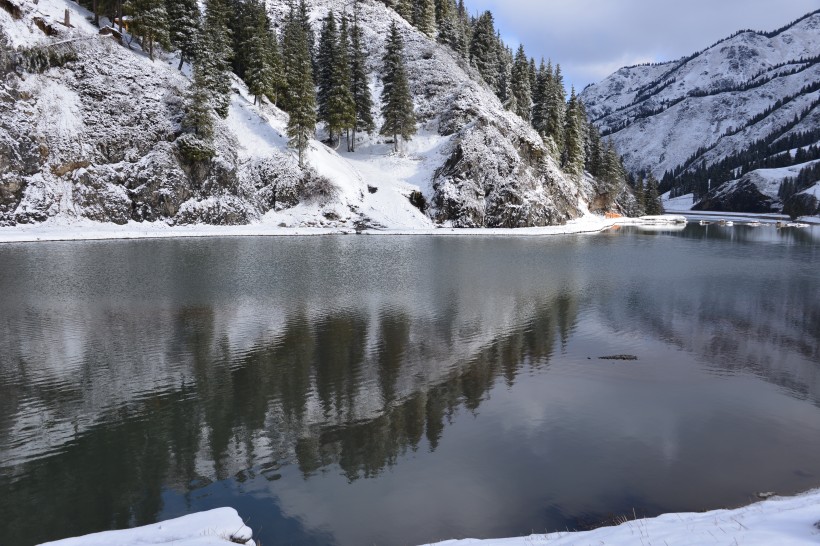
x: 259, y: 372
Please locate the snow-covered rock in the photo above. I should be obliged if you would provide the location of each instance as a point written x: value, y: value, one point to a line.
x: 218, y: 527
x: 660, y: 115
x: 90, y: 129
x: 790, y: 521
x: 754, y: 192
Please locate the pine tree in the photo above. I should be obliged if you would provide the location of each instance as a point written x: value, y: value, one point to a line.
x: 640, y: 198
x: 612, y: 171
x: 149, y: 21
x: 277, y: 69
x: 359, y: 83
x: 557, y: 109
x: 654, y: 205
x: 520, y: 90
x: 341, y: 104
x: 241, y: 20
x: 445, y: 9
x: 183, y: 25
x: 484, y: 49
x: 198, y: 108
x: 304, y: 20
x: 573, y: 158
x: 405, y: 9
x: 533, y: 73
x: 301, y: 95
x: 214, y: 56
x: 427, y: 17
x: 540, y: 96
x: 397, y: 103
x: 505, y: 68
x: 450, y: 32
x: 328, y: 41
x: 594, y: 151
x: 464, y: 29
x: 260, y: 73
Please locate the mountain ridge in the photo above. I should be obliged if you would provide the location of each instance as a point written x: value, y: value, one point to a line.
x: 709, y: 118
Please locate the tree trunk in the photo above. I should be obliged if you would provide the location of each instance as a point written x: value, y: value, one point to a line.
x: 96, y: 15
x: 181, y: 60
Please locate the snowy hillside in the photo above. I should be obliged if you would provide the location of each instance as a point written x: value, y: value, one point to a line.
x: 89, y: 129
x: 747, y: 87
x: 755, y: 192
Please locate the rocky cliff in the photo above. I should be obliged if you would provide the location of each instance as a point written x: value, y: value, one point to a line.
x: 90, y: 128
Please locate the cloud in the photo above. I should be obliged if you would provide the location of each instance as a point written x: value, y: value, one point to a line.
x: 593, y: 38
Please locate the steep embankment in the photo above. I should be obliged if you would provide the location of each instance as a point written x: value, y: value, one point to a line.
x: 89, y: 129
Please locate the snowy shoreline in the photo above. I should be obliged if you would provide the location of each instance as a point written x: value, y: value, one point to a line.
x: 786, y: 521
x: 91, y: 231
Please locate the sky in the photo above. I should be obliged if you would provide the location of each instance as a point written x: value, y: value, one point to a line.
x: 593, y: 38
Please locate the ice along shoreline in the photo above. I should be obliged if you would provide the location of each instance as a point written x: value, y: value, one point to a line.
x: 94, y: 231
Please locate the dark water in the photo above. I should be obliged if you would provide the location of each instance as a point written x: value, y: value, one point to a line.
x: 366, y: 390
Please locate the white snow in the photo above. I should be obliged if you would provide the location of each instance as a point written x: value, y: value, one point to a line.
x: 77, y: 230
x: 813, y: 190
x: 211, y: 528
x: 677, y: 204
x: 785, y: 521
x: 665, y: 140
x: 792, y: 521
x: 768, y: 180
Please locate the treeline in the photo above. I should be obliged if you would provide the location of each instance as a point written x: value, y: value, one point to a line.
x: 767, y: 153
x: 806, y: 178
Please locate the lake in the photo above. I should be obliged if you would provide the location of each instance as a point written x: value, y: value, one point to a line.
x: 397, y: 390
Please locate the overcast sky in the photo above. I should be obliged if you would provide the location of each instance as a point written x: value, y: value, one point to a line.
x: 593, y: 38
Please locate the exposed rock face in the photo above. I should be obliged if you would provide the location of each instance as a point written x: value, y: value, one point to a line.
x: 739, y: 196
x: 498, y: 174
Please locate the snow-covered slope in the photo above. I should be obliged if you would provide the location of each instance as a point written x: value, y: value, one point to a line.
x: 754, y: 192
x: 744, y: 88
x: 784, y: 521
x: 89, y: 129
x: 218, y: 527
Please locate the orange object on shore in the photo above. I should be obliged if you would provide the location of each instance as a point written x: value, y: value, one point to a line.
x: 613, y: 215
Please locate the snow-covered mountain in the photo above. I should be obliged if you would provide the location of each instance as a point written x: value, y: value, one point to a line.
x: 89, y: 129
x: 709, y: 105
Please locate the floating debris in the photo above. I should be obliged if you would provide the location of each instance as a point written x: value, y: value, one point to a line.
x: 618, y: 357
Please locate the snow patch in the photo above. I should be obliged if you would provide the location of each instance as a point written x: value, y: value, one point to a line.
x: 783, y: 521
x: 217, y: 527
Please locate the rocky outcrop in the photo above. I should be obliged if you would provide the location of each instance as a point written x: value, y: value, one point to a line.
x: 498, y: 174
x: 739, y: 196
x: 802, y: 204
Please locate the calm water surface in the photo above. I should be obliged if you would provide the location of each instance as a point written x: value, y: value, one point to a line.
x: 397, y: 390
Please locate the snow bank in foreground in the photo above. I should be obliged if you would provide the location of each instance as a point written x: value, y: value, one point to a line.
x: 214, y: 527
x: 55, y: 230
x: 789, y: 521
